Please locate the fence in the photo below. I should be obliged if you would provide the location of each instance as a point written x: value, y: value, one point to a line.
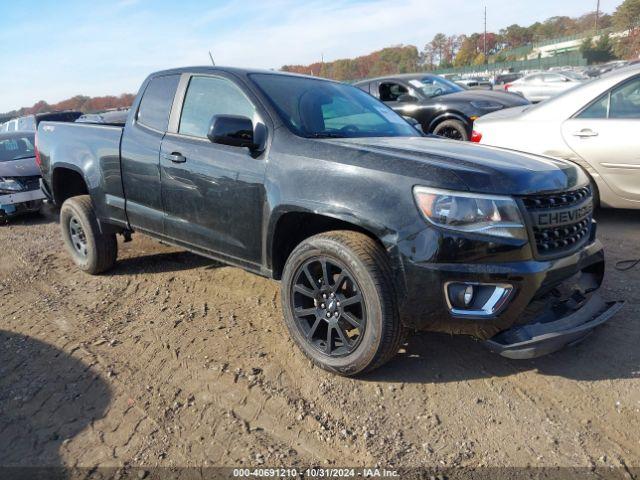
x: 569, y: 59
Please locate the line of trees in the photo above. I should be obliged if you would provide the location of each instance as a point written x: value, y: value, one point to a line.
x: 445, y: 51
x: 80, y: 103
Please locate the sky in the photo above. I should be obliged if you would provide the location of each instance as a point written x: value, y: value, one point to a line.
x: 54, y: 49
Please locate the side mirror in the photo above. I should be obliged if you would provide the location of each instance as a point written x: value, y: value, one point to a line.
x: 232, y: 130
x: 406, y: 98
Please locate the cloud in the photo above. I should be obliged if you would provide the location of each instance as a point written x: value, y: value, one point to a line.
x: 108, y: 48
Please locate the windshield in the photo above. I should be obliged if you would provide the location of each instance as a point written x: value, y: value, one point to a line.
x: 321, y: 109
x: 435, y: 86
x: 16, y: 146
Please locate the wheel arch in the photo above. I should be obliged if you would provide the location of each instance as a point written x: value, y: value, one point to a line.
x: 67, y: 181
x: 450, y: 115
x: 289, y: 228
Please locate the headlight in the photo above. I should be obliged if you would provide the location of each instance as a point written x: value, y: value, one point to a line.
x: 471, y: 212
x: 486, y: 105
x: 10, y: 185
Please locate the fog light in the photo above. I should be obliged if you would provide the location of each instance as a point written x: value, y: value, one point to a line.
x: 468, y: 295
x: 475, y: 298
x: 461, y: 294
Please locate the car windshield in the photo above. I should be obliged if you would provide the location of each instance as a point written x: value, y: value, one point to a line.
x: 433, y: 86
x: 322, y: 109
x: 16, y: 146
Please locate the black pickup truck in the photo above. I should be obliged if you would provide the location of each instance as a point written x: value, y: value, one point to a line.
x: 373, y: 229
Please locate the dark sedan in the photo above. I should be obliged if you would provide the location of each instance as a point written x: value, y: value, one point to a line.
x: 19, y: 175
x: 439, y: 105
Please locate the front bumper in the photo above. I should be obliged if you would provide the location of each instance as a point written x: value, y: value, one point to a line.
x: 542, y: 338
x: 535, y: 283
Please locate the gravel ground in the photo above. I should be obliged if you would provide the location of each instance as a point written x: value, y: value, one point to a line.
x: 173, y: 360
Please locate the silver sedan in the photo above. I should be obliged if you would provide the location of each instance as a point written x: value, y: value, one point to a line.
x: 537, y: 87
x: 596, y: 125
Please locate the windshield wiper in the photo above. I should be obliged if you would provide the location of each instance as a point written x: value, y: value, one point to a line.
x: 326, y: 135
x: 21, y: 157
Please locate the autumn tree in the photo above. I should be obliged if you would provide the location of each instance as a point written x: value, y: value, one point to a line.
x: 599, y: 52
x: 627, y: 17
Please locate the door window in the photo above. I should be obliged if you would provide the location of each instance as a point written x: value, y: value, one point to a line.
x: 621, y: 102
x: 389, y: 92
x: 625, y: 101
x: 209, y: 96
x: 598, y: 109
x: 157, y: 101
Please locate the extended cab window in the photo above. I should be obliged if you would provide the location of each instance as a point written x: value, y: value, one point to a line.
x: 209, y: 96
x: 157, y: 101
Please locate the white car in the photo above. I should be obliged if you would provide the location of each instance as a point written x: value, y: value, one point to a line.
x: 596, y: 125
x: 540, y: 86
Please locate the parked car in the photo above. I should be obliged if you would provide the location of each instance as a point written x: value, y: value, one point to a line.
x: 442, y: 107
x: 475, y: 83
x: 19, y: 175
x: 372, y: 229
x: 594, y: 126
x: 597, y: 70
x: 537, y: 87
x: 28, y: 123
x: 504, y: 79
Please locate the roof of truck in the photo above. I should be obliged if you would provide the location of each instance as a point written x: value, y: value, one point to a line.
x: 233, y: 70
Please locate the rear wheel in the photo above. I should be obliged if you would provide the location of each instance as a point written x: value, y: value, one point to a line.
x: 453, y: 129
x: 91, y: 250
x: 339, y: 302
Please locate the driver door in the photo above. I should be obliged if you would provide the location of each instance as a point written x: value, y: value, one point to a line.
x: 213, y: 195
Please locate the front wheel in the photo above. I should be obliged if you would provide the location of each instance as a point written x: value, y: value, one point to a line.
x: 339, y: 302
x: 453, y: 129
x: 91, y: 250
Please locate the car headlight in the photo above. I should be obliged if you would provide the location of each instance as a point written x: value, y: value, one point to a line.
x: 486, y: 105
x: 9, y: 185
x: 494, y: 215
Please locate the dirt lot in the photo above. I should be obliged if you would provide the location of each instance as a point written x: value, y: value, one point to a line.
x: 173, y: 360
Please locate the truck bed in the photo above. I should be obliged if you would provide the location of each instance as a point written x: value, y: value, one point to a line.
x: 91, y: 151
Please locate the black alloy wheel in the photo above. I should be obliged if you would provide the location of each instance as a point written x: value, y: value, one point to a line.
x: 452, y: 129
x: 339, y: 302
x: 328, y: 306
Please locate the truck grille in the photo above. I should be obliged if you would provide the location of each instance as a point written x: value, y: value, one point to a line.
x: 561, y: 222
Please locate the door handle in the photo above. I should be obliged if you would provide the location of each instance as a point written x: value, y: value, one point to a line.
x: 585, y: 133
x: 175, y: 157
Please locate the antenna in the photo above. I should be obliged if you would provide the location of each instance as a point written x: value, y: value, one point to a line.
x: 211, y: 57
x: 597, y: 15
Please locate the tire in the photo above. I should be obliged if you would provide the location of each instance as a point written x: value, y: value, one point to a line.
x: 453, y: 129
x: 595, y: 192
x: 91, y: 250
x: 355, y: 264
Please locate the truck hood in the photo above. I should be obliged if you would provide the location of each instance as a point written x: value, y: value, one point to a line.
x: 25, y: 167
x: 481, y: 169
